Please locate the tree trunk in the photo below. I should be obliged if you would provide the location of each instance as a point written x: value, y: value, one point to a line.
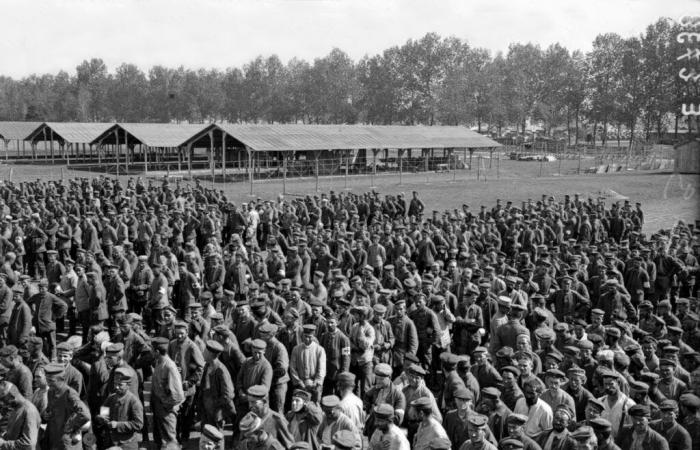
x: 576, y: 119
x: 568, y: 127
x: 595, y: 129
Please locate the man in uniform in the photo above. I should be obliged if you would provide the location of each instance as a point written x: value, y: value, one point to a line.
x: 215, y: 392
x: 337, y: 348
x: 516, y: 423
x: 678, y: 437
x: 255, y: 371
x: 123, y: 420
x: 429, y: 428
x: 386, y: 432
x: 47, y: 308
x: 478, y: 425
x: 271, y: 422
x: 65, y: 415
x: 276, y: 355
x: 166, y: 394
x: 23, y: 420
x: 189, y: 360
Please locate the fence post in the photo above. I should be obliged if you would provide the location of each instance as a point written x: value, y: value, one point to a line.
x: 284, y: 173
x: 578, y: 172
x: 541, y: 163
x: 478, y: 168
x: 498, y: 167
x: 453, y: 156
x: 347, y: 167
x: 559, y: 170
x: 400, y: 167
x: 427, y: 180
x: 316, y: 157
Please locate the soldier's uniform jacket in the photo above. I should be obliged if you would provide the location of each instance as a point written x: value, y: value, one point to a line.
x: 216, y: 393
x: 22, y: 430
x: 278, y: 358
x: 127, y: 411
x: 189, y: 360
x: 48, y: 308
x: 167, y: 383
x: 66, y: 415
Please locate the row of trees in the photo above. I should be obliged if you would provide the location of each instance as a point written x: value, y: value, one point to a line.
x: 621, y: 84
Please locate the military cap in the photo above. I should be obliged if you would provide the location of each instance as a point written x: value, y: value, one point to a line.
x: 330, y: 401
x: 555, y: 373
x: 268, y: 328
x: 544, y: 334
x: 383, y: 370
x: 259, y: 344
x: 480, y: 350
x: 379, y: 308
x: 417, y: 370
x: 491, y: 392
x: 222, y: 330
x: 600, y: 424
x: 511, y: 443
x: 9, y: 350
x: 554, y: 355
x: 302, y: 394
x: 668, y: 405
x: 309, y: 329
x: 572, y: 350
x: 212, y: 433
x: 646, y: 304
x: 667, y: 362
x: 690, y: 400
x: 517, y: 419
x: 463, y: 393
x: 639, y: 386
x: 639, y: 411
x: 595, y: 338
x: 214, y: 346
x: 671, y: 349
x: 344, y: 439
x: 65, y: 347
x: 44, y: 282
x: 583, y: 434
x: 257, y: 391
x: 249, y: 423
x: 561, y: 326
x: 682, y: 301
x: 53, y: 369
x: 512, y: 369
x: 160, y: 342
x: 517, y: 307
x: 576, y: 371
x: 505, y: 352
x: 598, y: 312
x: 384, y: 411
x: 125, y: 375
x: 565, y: 408
x: 115, y: 348
x: 422, y: 403
x: 143, y: 258
x: 649, y: 377
x: 124, y: 319
x: 345, y: 378
x: 612, y: 331
x: 504, y: 301
x: 599, y: 405
x: 478, y: 420
x: 35, y: 340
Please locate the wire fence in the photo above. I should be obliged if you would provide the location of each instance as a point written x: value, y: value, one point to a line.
x: 315, y: 171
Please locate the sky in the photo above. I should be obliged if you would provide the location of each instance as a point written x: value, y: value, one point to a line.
x: 45, y: 36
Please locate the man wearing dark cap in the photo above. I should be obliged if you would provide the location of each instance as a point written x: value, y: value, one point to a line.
x: 271, y: 422
x: 215, y: 392
x: 510, y: 391
x: 166, y: 394
x: 337, y: 348
x: 559, y: 437
x: 20, y: 321
x: 478, y: 429
x: 384, y: 391
x: 405, y: 335
x: 307, y: 364
x: 640, y: 435
x: 122, y: 421
x: 670, y: 386
x: 23, y: 422
x: 276, y: 355
x: 677, y: 436
x: 362, y: 338
x: 47, y: 308
x: 429, y: 427
x: 304, y: 418
x: 506, y: 335
x: 603, y: 433
x: 567, y: 302
x: 334, y: 420
x: 516, y: 432
x: 555, y: 395
x: 495, y: 410
x: 484, y: 372
x: 212, y: 439
x: 575, y: 388
x: 256, y: 371
x: 617, y: 404
x: 18, y: 374
x: 190, y: 362
x: 65, y: 414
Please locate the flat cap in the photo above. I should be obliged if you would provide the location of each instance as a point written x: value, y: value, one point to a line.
x: 384, y: 411
x: 212, y: 433
x: 422, y: 403
x: 600, y: 424
x: 478, y: 420
x: 517, y: 419
x: 249, y: 423
x: 330, y: 401
x: 214, y: 346
x: 511, y: 443
x: 639, y: 411
x: 383, y: 370
x: 257, y: 391
x: 115, y: 347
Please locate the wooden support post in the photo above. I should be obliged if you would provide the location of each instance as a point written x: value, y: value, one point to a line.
x: 179, y: 159
x: 52, y: 156
x: 400, y: 166
x: 374, y: 165
x: 189, y: 160
x: 116, y: 148
x: 7, y: 151
x: 284, y: 173
x: 250, y: 168
x: 66, y: 153
x: 223, y: 155
x: 211, y: 155
x: 347, y: 167
x: 316, y: 158
x: 126, y: 152
x: 145, y: 149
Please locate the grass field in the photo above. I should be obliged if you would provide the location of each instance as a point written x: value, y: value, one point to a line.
x: 666, y: 197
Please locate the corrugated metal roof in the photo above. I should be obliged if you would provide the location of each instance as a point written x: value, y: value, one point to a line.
x: 159, y: 134
x: 71, y: 132
x: 332, y: 137
x: 17, y: 130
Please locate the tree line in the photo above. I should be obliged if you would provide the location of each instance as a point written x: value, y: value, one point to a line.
x: 627, y: 85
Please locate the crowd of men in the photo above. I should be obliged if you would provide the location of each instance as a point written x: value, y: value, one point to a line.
x: 341, y: 321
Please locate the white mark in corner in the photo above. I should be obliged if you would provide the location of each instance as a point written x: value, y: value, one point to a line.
x: 686, y: 188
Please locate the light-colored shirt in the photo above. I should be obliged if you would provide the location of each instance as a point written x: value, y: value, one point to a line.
x: 397, y: 439
x: 352, y: 406
x: 428, y: 433
x: 539, y: 416
x: 613, y: 411
x: 362, y: 338
x: 307, y: 363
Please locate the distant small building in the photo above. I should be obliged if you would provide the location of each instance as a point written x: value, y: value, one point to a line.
x: 688, y: 157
